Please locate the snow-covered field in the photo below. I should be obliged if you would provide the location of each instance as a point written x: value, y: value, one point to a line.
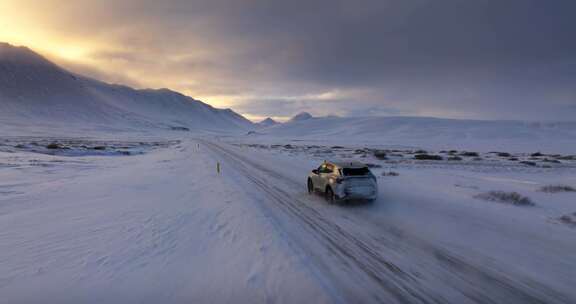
x: 142, y: 219
x: 427, y: 132
x: 155, y: 227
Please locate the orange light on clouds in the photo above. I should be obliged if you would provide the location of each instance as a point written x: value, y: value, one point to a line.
x: 45, y: 27
x: 20, y: 26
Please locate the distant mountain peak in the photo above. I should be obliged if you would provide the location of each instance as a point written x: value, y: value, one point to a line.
x: 21, y: 55
x: 268, y: 122
x: 302, y: 116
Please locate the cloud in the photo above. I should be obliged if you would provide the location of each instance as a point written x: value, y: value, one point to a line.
x: 511, y: 59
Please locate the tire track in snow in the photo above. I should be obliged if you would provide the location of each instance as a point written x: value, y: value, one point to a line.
x: 386, y: 281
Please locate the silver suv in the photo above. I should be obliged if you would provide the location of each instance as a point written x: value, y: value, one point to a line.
x: 343, y: 181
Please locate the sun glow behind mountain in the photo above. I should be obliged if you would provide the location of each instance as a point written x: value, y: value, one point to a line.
x: 416, y: 58
x: 19, y: 25
x: 48, y: 27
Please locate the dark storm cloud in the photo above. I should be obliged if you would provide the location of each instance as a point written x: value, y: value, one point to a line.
x: 403, y: 39
x: 479, y: 59
x: 347, y: 42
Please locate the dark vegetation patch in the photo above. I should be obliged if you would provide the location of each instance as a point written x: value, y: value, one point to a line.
x: 513, y: 198
x: 187, y: 129
x: 469, y: 154
x: 557, y: 188
x: 568, y: 219
x: 407, y: 155
x: 370, y: 165
x: 80, y: 146
x: 54, y: 146
x: 427, y: 157
x: 259, y: 146
x: 390, y: 173
x: 379, y: 154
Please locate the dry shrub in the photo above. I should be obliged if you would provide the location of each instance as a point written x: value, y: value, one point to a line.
x: 427, y: 157
x: 379, y: 154
x: 557, y: 188
x: 390, y: 173
x: 513, y: 198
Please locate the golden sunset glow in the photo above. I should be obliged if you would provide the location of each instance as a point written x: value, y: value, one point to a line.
x: 65, y: 36
x: 272, y: 60
x: 19, y: 25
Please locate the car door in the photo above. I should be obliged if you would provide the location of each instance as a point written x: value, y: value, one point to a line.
x: 316, y: 180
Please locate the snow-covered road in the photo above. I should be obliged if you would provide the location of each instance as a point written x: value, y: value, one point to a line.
x: 164, y: 226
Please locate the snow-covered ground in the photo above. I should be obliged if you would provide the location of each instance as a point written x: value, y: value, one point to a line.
x: 427, y: 132
x: 81, y: 224
x: 148, y: 228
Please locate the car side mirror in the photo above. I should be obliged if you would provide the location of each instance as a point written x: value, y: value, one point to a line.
x: 315, y: 171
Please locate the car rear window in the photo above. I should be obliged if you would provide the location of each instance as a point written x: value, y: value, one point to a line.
x: 355, y: 171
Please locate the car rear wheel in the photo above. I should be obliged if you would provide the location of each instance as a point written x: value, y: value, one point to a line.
x: 310, y: 187
x: 329, y: 195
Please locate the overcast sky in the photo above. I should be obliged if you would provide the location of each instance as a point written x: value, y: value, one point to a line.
x: 500, y: 59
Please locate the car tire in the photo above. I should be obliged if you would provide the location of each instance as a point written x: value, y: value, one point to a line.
x: 310, y: 186
x: 329, y: 195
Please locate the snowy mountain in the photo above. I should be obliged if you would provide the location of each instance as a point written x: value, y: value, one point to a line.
x: 301, y: 117
x: 434, y: 132
x: 32, y: 89
x: 268, y: 122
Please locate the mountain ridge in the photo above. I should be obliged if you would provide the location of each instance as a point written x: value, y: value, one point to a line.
x: 302, y: 116
x: 32, y: 87
x: 268, y: 122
